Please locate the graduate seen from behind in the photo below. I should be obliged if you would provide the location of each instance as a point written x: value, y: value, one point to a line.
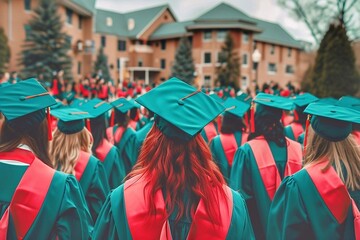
x: 261, y: 163
x: 71, y: 153
x: 36, y: 202
x: 175, y: 190
x: 322, y: 200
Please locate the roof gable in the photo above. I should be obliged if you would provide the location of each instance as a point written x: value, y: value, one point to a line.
x: 89, y: 5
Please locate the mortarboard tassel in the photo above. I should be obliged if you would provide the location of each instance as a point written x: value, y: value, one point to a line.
x: 49, y: 124
x: 306, y: 133
x: 296, y: 116
x: 112, y: 118
x: 88, y: 125
x: 252, y: 118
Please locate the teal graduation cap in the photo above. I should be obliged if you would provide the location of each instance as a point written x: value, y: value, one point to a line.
x: 123, y: 105
x: 304, y: 99
x: 70, y: 120
x: 350, y: 102
x: 271, y: 105
x: 180, y: 110
x: 96, y: 107
x: 236, y: 107
x: 216, y: 97
x: 23, y: 104
x: 244, y: 98
x: 331, y: 121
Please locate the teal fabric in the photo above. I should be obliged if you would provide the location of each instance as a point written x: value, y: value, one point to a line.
x: 64, y: 213
x: 128, y: 154
x: 245, y: 178
x: 137, y: 141
x: 332, y: 130
x: 123, y: 105
x: 236, y: 107
x: 289, y: 132
x: 304, y: 99
x: 274, y: 101
x: 94, y: 183
x: 299, y: 212
x: 186, y: 108
x: 96, y: 107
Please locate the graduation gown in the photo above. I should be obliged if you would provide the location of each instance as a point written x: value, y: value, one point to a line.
x: 126, y: 216
x: 257, y: 170
x: 109, y: 155
x: 209, y: 132
x: 137, y: 141
x: 294, y: 130
x: 313, y: 204
x: 90, y: 173
x: 123, y: 139
x: 223, y: 148
x: 44, y: 203
x: 356, y: 135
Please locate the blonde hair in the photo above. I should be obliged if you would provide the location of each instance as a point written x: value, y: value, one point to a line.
x: 65, y: 149
x: 343, y: 155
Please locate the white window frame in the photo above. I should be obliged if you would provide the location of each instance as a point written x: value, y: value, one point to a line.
x: 247, y: 82
x: 243, y: 38
x: 209, y: 80
x: 217, y: 35
x: 271, y: 72
x: 288, y: 73
x: 203, y: 58
x: 203, y: 36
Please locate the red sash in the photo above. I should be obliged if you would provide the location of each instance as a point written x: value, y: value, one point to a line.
x: 356, y: 135
x: 132, y: 124
x: 103, y: 149
x: 29, y: 194
x: 156, y: 226
x: 230, y: 146
x: 267, y: 166
x: 210, y: 131
x: 81, y: 164
x: 297, y: 129
x: 114, y: 138
x: 334, y: 193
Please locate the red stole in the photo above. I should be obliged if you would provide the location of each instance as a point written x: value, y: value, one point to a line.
x: 142, y: 225
x: 356, y: 135
x: 267, y: 166
x: 210, y: 131
x: 132, y: 124
x: 114, y: 138
x: 334, y: 193
x: 103, y: 149
x: 297, y: 129
x: 81, y: 164
x: 29, y: 195
x: 230, y: 146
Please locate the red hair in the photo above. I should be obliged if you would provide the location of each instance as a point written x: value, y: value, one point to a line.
x: 174, y: 166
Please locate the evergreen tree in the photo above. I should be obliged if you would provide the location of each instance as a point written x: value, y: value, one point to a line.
x: 338, y: 75
x: 183, y: 67
x: 101, y: 64
x: 306, y: 83
x: 4, y: 51
x: 46, y: 46
x: 228, y: 72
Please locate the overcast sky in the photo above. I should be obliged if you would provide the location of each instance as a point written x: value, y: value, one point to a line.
x: 190, y: 9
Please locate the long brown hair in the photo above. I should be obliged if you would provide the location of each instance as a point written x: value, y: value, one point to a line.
x: 176, y: 166
x: 35, y: 137
x: 65, y: 149
x: 342, y: 154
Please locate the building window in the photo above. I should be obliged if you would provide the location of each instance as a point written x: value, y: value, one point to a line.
x: 272, y: 49
x: 162, y: 63
x: 272, y: 68
x: 163, y: 44
x: 121, y: 45
x: 244, y: 82
x: 80, y: 22
x: 79, y: 68
x: 289, y: 69
x: 219, y: 57
x: 69, y: 14
x: 245, y: 37
x: 109, y: 21
x: 27, y: 29
x: 221, y: 35
x: 207, y: 81
x: 140, y: 62
x: 245, y: 60
x: 207, y: 57
x: 103, y: 41
x: 27, y: 5
x: 289, y: 52
x: 207, y: 35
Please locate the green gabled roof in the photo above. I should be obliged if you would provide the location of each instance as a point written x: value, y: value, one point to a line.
x: 171, y: 30
x: 89, y: 5
x: 274, y: 33
x: 224, y: 12
x: 120, y: 20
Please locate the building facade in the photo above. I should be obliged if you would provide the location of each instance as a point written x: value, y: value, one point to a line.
x: 141, y: 45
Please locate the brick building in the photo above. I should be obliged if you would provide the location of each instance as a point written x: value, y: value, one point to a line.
x: 141, y: 45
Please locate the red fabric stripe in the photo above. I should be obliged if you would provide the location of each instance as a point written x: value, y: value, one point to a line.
x: 356, y: 214
x: 252, y: 119
x: 356, y: 135
x: 112, y: 118
x: 103, y: 149
x: 132, y: 124
x: 81, y: 164
x: 306, y: 134
x: 229, y: 146
x: 297, y: 129
x: 210, y: 131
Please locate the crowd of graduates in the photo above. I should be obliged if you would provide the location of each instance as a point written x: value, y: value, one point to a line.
x: 176, y: 162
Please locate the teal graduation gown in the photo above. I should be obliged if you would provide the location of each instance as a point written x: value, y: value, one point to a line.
x: 246, y: 178
x: 63, y: 213
x: 294, y: 130
x: 139, y: 138
x: 90, y: 173
x: 300, y: 211
x: 109, y: 155
x: 119, y: 221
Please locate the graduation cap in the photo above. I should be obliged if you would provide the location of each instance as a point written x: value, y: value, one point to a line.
x: 23, y: 104
x: 350, y: 102
x: 216, y: 98
x: 181, y: 110
x: 332, y: 122
x: 236, y: 107
x: 123, y: 105
x: 70, y: 120
x: 96, y: 107
x: 304, y: 99
x: 271, y: 105
x: 244, y: 98
x: 77, y: 102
